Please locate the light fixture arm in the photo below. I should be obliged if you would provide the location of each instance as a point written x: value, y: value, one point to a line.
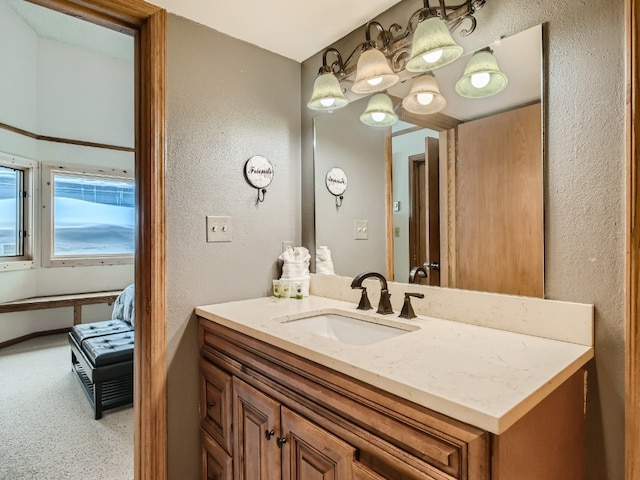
x: 337, y: 65
x: 452, y: 15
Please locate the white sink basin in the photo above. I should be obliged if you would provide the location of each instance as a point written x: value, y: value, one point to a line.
x: 348, y: 327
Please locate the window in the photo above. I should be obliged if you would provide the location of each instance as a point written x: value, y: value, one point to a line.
x: 91, y: 218
x: 12, y: 231
x: 16, y: 212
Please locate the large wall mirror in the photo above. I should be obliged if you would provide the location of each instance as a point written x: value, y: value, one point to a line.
x: 452, y: 199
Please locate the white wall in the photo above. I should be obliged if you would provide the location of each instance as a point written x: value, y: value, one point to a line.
x: 59, y: 90
x: 83, y: 95
x: 18, y: 57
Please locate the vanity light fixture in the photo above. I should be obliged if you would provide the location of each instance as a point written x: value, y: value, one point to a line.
x: 379, y: 112
x: 432, y: 46
x: 373, y: 73
x: 425, y: 96
x: 424, y: 45
x: 482, y: 76
x: 327, y: 92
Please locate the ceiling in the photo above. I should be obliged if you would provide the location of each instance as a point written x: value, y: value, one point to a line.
x: 67, y: 29
x: 296, y: 29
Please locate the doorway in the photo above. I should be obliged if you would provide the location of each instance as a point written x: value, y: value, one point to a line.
x: 424, y: 220
x: 147, y: 23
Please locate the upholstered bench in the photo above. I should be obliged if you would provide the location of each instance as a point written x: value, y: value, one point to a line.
x: 102, y: 357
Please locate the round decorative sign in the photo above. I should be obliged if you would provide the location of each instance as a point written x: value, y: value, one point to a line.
x: 258, y: 171
x: 336, y: 181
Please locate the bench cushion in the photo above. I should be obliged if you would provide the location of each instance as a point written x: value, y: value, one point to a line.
x: 97, y: 329
x: 109, y: 349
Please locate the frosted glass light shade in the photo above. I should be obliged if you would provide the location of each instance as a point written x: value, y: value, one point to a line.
x: 423, y: 88
x: 431, y: 37
x: 327, y: 93
x: 373, y: 73
x: 482, y: 62
x: 379, y: 112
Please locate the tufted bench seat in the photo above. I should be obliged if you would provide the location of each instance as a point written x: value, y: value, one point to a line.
x: 102, y: 357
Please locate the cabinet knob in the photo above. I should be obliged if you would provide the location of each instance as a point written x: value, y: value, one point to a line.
x: 211, y: 404
x: 269, y: 434
x: 281, y: 441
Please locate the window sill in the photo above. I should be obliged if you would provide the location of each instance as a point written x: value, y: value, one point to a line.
x: 16, y: 265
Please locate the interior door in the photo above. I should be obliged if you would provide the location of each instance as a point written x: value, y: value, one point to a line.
x: 499, y: 203
x: 424, y: 221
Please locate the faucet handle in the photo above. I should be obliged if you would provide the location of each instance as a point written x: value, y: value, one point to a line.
x: 407, y: 309
x: 364, y: 304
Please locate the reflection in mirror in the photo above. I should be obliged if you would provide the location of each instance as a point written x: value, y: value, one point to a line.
x: 457, y: 193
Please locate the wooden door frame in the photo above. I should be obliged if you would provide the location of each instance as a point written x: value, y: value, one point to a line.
x: 147, y: 23
x: 632, y: 340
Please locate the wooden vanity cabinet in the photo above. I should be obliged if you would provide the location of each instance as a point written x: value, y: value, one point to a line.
x: 294, y: 419
x: 269, y: 414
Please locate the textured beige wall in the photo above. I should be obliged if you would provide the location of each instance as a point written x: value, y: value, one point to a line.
x: 584, y: 180
x: 227, y: 101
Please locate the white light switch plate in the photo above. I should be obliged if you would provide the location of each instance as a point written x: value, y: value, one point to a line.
x: 360, y: 229
x: 218, y: 229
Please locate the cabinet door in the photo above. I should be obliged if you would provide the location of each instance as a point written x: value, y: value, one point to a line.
x: 256, y: 429
x: 216, y: 463
x: 215, y: 403
x: 311, y: 453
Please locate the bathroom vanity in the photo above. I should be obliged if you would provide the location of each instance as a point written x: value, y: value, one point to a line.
x: 439, y: 400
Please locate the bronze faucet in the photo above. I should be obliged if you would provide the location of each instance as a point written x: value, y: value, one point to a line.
x: 417, y: 272
x: 384, y: 306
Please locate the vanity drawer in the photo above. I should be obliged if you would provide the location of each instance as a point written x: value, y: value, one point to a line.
x: 216, y: 404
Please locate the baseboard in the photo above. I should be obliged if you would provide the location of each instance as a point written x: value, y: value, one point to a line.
x: 29, y: 336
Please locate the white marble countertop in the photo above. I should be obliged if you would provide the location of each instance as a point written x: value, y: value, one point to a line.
x: 482, y: 376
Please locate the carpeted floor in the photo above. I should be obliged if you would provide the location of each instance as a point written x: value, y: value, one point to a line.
x: 47, y: 428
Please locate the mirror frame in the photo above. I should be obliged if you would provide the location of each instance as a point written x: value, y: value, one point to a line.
x: 147, y: 23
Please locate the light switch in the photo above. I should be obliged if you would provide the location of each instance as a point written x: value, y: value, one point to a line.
x: 218, y: 229
x: 360, y: 229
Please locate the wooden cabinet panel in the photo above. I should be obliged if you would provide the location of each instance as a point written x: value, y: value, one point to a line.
x: 215, y: 403
x: 216, y: 463
x: 332, y: 426
x: 257, y: 427
x: 311, y: 453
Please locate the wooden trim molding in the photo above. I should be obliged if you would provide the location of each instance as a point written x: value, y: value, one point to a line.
x: 150, y: 366
x: 388, y: 172
x: 148, y: 24
x: 632, y: 347
x: 33, y: 335
x: 47, y: 138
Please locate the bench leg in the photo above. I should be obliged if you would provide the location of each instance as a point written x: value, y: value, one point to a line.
x: 97, y: 400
